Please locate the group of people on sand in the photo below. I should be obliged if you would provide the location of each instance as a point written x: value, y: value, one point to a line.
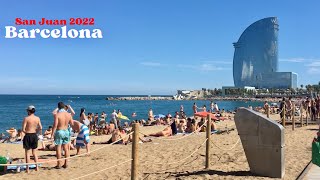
x: 59, y: 133
x: 67, y: 134
x: 289, y: 107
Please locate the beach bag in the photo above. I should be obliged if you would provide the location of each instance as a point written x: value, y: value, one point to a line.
x: 316, y: 153
x: 3, y: 160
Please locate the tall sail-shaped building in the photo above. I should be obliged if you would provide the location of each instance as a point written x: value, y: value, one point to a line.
x: 255, y: 61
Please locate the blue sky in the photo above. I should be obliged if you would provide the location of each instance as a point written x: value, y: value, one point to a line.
x: 150, y: 47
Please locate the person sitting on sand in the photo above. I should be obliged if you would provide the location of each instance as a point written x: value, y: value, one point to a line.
x: 201, y: 124
x: 194, y: 125
x: 12, y: 134
x: 48, y: 132
x: 181, y: 126
x: 20, y: 135
x: 213, y: 126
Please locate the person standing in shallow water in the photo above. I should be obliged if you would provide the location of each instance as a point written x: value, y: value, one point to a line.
x: 30, y: 141
x: 194, y: 108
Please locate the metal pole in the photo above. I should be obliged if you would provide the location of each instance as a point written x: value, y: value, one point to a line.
x: 135, y: 148
x: 208, y: 141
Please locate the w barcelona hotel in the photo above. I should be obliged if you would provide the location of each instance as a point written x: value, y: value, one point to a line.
x: 255, y: 61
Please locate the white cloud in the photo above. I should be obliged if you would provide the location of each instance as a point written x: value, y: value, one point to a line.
x: 151, y: 64
x: 203, y: 67
x: 314, y: 70
x: 219, y: 62
x: 15, y: 80
x: 296, y: 60
x: 314, y: 64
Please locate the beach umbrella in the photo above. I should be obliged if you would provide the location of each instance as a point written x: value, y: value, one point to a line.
x: 122, y: 117
x: 205, y: 114
x: 159, y: 116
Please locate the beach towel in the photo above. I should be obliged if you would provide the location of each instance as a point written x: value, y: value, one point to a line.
x: 13, y: 167
x: 83, y: 135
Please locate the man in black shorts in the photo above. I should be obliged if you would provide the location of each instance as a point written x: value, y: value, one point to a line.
x: 30, y: 125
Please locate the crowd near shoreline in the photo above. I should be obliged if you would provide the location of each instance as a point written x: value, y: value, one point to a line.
x: 71, y: 131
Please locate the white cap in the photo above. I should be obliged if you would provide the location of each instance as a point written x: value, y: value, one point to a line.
x: 30, y: 108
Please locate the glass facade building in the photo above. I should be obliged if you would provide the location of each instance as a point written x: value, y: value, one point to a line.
x: 255, y: 61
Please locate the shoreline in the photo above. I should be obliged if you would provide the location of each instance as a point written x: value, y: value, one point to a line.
x: 216, y: 98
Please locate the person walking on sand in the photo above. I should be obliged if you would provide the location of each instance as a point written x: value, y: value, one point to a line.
x: 30, y: 141
x: 61, y: 134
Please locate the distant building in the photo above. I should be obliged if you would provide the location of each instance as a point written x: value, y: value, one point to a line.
x: 255, y: 61
x: 227, y: 88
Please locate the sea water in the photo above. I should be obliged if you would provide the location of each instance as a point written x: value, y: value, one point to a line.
x: 13, y: 107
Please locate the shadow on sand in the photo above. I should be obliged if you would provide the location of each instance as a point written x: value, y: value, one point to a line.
x: 214, y: 172
x: 182, y: 175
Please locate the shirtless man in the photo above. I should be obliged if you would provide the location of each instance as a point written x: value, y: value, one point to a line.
x: 30, y: 141
x: 61, y: 134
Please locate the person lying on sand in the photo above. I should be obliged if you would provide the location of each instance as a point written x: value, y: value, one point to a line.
x: 116, y: 136
x: 142, y: 140
x: 166, y: 132
x: 51, y: 146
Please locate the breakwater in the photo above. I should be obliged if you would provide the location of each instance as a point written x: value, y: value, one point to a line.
x: 138, y: 98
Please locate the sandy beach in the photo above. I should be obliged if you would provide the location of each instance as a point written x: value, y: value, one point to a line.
x: 156, y: 157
